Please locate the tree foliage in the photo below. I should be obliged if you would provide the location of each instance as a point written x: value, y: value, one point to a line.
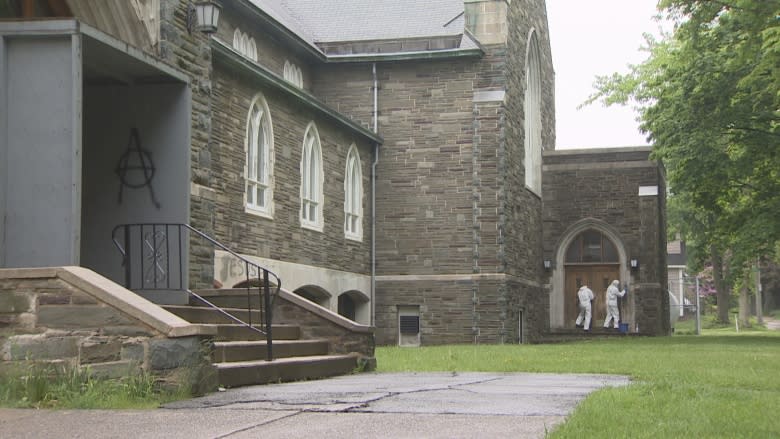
x: 708, y: 98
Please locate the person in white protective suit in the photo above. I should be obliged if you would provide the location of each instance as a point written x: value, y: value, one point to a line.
x: 585, y: 296
x: 612, y: 304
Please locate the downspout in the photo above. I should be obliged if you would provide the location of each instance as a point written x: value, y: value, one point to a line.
x: 373, y: 200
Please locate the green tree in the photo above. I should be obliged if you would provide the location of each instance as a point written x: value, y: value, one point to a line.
x: 708, y: 97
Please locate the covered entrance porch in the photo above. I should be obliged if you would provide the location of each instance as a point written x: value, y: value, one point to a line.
x: 591, y: 254
x: 95, y: 133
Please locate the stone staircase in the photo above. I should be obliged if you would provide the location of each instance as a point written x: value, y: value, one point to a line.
x: 240, y: 353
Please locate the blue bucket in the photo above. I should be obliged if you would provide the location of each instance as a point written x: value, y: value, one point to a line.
x: 623, y: 328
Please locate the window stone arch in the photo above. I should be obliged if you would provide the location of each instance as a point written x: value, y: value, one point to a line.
x: 532, y: 109
x: 258, y: 167
x: 312, y: 178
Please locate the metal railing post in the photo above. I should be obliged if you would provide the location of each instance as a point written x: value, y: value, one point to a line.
x: 248, y: 293
x: 128, y: 268
x: 186, y: 232
x: 268, y: 316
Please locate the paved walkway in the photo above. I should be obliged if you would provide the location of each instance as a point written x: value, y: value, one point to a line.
x: 772, y: 324
x: 371, y: 405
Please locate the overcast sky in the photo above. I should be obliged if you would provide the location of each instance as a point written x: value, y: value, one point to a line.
x: 589, y: 38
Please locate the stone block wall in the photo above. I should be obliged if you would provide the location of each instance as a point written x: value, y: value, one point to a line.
x: 427, y: 187
x: 191, y: 54
x: 446, y: 310
x: 476, y: 309
x: 316, y: 323
x: 220, y: 104
x: 487, y: 20
x: 45, y: 318
x: 282, y: 237
x: 520, y: 208
x: 271, y: 51
x: 451, y: 198
x: 604, y: 186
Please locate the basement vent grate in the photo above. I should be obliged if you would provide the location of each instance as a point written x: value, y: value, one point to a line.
x: 410, y: 324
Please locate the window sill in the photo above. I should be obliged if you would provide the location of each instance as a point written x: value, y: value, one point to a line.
x: 353, y: 237
x: 267, y: 214
x: 534, y: 192
x: 311, y: 226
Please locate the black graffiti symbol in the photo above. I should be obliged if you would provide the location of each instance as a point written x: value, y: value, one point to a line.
x: 136, y: 168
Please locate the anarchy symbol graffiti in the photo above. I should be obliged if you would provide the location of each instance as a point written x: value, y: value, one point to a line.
x: 136, y: 168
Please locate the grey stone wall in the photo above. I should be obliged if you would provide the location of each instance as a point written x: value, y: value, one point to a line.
x: 282, y: 237
x: 49, y: 320
x: 446, y: 310
x: 426, y: 186
x: 521, y: 207
x: 313, y: 326
x: 271, y: 51
x: 191, y: 53
x: 220, y: 104
x: 451, y: 195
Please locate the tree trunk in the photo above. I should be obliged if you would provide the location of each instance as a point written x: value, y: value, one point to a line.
x: 724, y: 292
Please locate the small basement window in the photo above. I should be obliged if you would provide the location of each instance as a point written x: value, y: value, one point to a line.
x: 408, y: 325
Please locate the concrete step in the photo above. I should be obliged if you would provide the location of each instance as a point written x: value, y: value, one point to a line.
x: 593, y: 331
x: 228, y: 351
x: 242, y: 333
x: 574, y: 334
x: 245, y: 373
x: 229, y: 298
x: 197, y: 314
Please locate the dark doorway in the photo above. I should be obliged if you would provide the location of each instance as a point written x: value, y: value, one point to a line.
x: 591, y: 260
x: 347, y: 306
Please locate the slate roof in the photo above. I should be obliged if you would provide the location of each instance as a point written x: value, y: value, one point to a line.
x: 322, y: 21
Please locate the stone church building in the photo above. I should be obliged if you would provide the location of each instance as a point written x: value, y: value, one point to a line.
x: 391, y: 161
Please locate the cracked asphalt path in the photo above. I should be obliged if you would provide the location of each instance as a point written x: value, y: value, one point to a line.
x: 371, y: 405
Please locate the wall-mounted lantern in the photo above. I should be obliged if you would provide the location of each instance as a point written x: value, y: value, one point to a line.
x: 547, y: 264
x: 634, y: 264
x: 203, y: 16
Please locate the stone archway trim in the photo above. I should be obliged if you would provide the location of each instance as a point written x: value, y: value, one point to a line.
x: 558, y: 277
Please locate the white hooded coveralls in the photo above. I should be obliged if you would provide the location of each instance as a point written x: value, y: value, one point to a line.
x: 585, y: 296
x: 612, y: 304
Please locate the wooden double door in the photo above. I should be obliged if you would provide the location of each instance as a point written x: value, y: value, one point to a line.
x: 597, y: 278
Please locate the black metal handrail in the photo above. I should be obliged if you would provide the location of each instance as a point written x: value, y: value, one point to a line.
x: 151, y: 242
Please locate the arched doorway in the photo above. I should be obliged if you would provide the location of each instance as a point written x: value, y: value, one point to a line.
x: 314, y: 294
x: 347, y: 306
x: 591, y: 259
x: 354, y: 306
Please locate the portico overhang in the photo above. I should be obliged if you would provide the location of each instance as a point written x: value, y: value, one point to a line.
x: 71, y: 99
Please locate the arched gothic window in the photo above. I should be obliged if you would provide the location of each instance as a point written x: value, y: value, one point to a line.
x: 244, y: 44
x: 353, y: 196
x: 258, y: 172
x: 533, y: 117
x: 311, y: 180
x: 591, y: 246
x: 293, y: 74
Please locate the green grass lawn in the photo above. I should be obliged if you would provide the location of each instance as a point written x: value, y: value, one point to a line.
x: 720, y: 384
x: 54, y: 386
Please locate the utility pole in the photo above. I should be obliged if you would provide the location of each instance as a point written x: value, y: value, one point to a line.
x: 698, y: 308
x: 759, y: 301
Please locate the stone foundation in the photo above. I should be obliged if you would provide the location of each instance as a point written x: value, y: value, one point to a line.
x: 74, y: 316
